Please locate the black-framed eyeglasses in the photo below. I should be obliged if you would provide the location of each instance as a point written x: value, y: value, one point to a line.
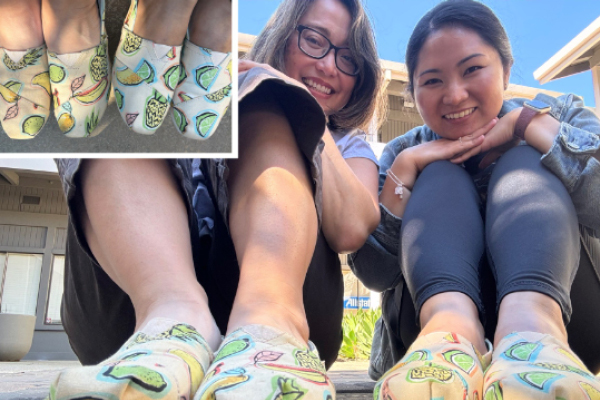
x: 316, y: 45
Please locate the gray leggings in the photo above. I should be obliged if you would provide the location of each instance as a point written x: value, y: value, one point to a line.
x: 527, y: 227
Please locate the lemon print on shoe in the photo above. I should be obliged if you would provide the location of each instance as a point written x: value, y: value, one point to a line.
x: 80, y: 85
x: 24, y: 92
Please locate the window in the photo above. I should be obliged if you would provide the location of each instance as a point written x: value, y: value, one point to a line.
x: 56, y: 290
x: 19, y: 282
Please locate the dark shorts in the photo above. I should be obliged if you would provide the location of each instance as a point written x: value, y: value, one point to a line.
x: 99, y: 317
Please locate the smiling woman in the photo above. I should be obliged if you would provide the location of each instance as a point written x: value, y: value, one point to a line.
x: 490, y: 216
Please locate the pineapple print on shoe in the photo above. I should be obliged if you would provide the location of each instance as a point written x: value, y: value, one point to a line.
x: 437, y: 366
x: 165, y: 360
x: 24, y: 92
x: 530, y: 365
x: 205, y: 91
x: 80, y: 85
x: 144, y: 78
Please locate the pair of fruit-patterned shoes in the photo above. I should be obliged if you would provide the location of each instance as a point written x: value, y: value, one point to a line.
x: 77, y: 83
x: 169, y: 360
x: 526, y: 365
x: 148, y: 77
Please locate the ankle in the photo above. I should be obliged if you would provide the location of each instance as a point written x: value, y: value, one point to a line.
x: 530, y: 312
x: 23, y: 16
x: 194, y: 313
x: 453, y: 312
x: 154, y: 20
x: 270, y: 314
x: 210, y: 25
x: 69, y: 29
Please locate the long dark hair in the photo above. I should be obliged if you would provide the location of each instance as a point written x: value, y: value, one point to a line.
x: 468, y: 14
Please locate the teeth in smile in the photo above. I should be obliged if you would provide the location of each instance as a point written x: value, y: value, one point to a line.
x: 460, y: 114
x: 317, y: 87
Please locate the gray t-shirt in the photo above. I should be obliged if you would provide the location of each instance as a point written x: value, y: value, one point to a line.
x: 352, y: 144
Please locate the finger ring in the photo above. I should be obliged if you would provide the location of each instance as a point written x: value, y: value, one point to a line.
x: 460, y: 139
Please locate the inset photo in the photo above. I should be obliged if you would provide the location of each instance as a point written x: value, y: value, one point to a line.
x: 116, y: 76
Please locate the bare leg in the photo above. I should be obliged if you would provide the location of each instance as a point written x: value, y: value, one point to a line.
x: 70, y: 25
x: 273, y: 223
x: 20, y: 24
x: 163, y: 21
x: 210, y: 25
x: 453, y: 312
x: 149, y: 258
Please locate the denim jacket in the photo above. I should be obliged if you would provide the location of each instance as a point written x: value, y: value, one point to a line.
x: 570, y: 158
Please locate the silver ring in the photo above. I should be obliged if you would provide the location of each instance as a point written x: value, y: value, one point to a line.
x: 460, y: 139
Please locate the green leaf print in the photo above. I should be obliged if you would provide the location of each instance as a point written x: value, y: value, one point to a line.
x: 231, y: 348
x: 119, y: 97
x: 144, y: 377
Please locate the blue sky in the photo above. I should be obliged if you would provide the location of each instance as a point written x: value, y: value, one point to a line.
x: 537, y: 30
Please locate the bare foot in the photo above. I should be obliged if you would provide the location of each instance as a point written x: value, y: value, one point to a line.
x: 278, y: 316
x: 70, y: 26
x: 191, y: 312
x: 163, y: 21
x: 20, y: 24
x: 210, y: 25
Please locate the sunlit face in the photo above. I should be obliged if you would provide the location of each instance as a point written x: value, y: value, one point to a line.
x: 331, y: 87
x: 459, y: 82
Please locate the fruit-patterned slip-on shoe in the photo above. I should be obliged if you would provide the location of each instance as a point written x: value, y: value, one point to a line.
x: 439, y: 365
x: 145, y: 76
x: 260, y: 362
x: 80, y: 85
x: 531, y: 365
x: 24, y: 92
x: 205, y: 91
x: 164, y: 360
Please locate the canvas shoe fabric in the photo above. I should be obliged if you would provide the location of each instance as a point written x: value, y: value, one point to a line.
x: 80, y: 84
x: 25, y: 95
x: 204, y: 94
x: 439, y: 365
x: 261, y: 362
x: 530, y: 365
x: 145, y: 75
x: 164, y: 360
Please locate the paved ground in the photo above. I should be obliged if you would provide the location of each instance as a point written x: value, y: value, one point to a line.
x: 29, y: 380
x: 114, y: 135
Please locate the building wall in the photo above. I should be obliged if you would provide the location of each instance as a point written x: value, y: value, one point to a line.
x: 400, y: 119
x: 33, y: 220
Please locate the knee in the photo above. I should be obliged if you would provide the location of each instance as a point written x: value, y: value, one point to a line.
x: 444, y: 174
x: 441, y: 179
x: 521, y: 182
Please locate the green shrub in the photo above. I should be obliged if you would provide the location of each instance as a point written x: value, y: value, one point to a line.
x: 358, y: 334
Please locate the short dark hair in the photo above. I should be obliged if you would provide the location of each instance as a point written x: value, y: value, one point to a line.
x: 468, y: 14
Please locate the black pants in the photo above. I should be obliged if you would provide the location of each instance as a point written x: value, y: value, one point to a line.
x: 524, y: 237
x: 99, y: 317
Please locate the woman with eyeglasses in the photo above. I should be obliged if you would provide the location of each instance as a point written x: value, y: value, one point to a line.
x: 220, y: 279
x: 487, y: 251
